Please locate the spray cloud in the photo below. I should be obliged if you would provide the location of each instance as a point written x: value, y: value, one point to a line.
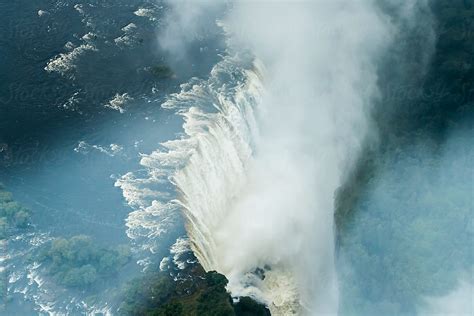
x: 270, y: 138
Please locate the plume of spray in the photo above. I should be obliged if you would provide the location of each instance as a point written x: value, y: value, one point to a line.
x: 187, y: 22
x: 320, y: 59
x: 258, y: 173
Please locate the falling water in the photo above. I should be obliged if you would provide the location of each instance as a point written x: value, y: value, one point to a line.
x: 268, y: 138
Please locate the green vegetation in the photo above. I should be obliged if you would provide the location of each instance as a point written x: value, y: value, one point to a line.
x: 12, y: 215
x: 3, y: 289
x: 201, y: 293
x: 78, y: 262
x: 248, y: 307
x: 161, y: 71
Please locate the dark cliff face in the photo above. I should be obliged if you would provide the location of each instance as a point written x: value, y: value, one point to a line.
x: 190, y: 292
x: 423, y: 102
x: 402, y: 215
x: 446, y: 92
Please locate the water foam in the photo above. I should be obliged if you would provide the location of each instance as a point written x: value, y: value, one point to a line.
x: 267, y: 140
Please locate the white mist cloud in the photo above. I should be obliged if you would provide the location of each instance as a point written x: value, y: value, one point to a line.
x: 320, y: 59
x: 276, y: 208
x: 186, y: 22
x: 459, y: 302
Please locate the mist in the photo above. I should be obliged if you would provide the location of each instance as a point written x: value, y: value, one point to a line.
x: 312, y: 119
x: 278, y: 148
x: 187, y: 22
x: 458, y: 302
x: 408, y: 249
x: 297, y: 157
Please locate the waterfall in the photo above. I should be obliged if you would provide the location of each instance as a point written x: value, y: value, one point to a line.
x: 268, y: 139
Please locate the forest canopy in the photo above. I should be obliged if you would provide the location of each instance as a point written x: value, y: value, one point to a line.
x: 12, y: 214
x: 200, y: 293
x: 79, y: 262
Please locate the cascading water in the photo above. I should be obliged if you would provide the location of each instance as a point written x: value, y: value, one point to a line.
x: 268, y: 139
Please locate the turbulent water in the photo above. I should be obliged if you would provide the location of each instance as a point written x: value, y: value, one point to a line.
x: 76, y: 110
x: 231, y: 128
x: 268, y: 139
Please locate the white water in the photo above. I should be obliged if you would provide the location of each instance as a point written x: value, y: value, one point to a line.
x: 268, y: 139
